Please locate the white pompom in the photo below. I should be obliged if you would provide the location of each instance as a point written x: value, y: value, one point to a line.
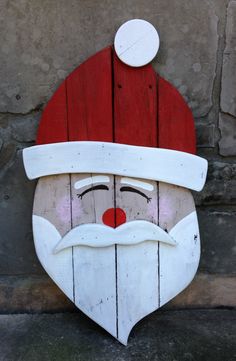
x: 136, y: 42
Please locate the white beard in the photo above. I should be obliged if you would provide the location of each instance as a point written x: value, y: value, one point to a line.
x: 116, y: 292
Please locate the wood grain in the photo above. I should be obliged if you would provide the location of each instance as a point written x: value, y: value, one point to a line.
x: 176, y: 131
x: 52, y: 203
x: 135, y: 105
x: 175, y: 121
x: 89, y: 99
x: 94, y: 268
x: 89, y: 102
x: 108, y: 101
x: 53, y: 123
x: 137, y: 265
x: 135, y: 122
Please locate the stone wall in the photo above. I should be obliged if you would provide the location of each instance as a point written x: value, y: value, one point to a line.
x: 42, y: 42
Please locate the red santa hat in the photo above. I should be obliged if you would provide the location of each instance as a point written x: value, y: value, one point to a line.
x: 114, y: 115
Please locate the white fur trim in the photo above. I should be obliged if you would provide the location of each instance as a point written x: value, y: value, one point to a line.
x: 165, y: 165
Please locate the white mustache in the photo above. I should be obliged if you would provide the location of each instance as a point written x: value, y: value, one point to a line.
x: 99, y: 235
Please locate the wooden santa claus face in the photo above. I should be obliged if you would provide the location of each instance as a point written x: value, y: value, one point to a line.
x: 114, y: 221
x: 123, y: 281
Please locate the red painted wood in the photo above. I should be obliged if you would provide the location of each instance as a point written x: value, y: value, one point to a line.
x: 175, y: 121
x: 89, y: 99
x: 83, y: 107
x: 86, y: 98
x: 135, y: 104
x: 53, y: 124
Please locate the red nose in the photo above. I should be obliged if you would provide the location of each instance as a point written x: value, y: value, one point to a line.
x: 114, y: 217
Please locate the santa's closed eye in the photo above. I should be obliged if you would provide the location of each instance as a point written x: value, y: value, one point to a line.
x: 93, y: 188
x: 131, y: 185
x: 134, y: 190
x: 122, y: 189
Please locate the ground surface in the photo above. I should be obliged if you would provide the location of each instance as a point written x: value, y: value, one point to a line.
x: 163, y: 336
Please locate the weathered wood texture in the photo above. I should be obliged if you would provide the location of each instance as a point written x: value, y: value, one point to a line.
x: 105, y: 100
x: 135, y: 112
x: 53, y: 126
x: 89, y: 102
x: 175, y: 120
x: 175, y: 131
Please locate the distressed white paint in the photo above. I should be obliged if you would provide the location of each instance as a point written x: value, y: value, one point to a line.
x: 178, y: 266
x: 93, y: 277
x: 98, y: 235
x: 52, y: 201
x: 91, y: 180
x: 137, y: 284
x: 95, y: 286
x: 94, y: 268
x: 137, y: 266
x: 59, y: 266
x: 136, y: 42
x: 164, y: 165
x: 137, y: 183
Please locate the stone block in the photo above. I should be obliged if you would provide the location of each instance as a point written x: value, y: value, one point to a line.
x: 40, y: 45
x: 24, y: 129
x: 231, y: 27
x: 19, y: 128
x: 228, y: 94
x: 205, y: 135
x: 217, y: 231
x: 227, y: 143
x: 17, y: 254
x: 220, y: 187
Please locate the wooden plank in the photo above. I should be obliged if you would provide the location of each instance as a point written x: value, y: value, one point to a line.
x: 137, y: 265
x: 89, y: 101
x: 53, y: 123
x: 52, y: 204
x: 176, y: 205
x: 135, y: 105
x: 55, y: 207
x: 94, y: 268
x: 52, y: 210
x: 135, y: 120
x: 175, y: 121
x: 178, y: 267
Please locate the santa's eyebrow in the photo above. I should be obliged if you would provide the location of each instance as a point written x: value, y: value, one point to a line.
x: 91, y: 180
x: 137, y: 183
